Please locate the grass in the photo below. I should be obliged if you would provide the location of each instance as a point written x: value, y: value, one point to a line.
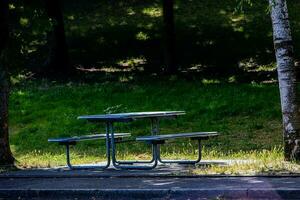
x: 257, y: 162
x: 247, y: 115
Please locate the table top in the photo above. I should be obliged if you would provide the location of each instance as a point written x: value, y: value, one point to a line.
x: 126, y: 117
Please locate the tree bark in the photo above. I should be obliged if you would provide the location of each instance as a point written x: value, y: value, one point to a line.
x: 287, y: 78
x: 58, y: 61
x: 6, y: 157
x: 169, y: 36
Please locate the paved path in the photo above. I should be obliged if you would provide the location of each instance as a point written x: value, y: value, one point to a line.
x: 160, y: 170
x: 151, y: 188
x: 158, y: 184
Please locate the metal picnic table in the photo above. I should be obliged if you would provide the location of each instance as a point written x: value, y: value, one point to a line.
x: 110, y: 119
x: 111, y: 137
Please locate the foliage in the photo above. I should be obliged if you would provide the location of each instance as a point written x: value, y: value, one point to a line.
x: 211, y: 37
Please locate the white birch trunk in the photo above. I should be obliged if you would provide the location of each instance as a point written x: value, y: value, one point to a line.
x: 286, y: 77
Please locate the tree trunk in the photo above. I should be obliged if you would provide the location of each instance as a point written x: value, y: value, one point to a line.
x: 6, y: 157
x: 58, y: 58
x: 169, y: 36
x: 287, y: 78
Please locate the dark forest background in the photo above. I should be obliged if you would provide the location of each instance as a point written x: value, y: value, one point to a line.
x: 216, y: 39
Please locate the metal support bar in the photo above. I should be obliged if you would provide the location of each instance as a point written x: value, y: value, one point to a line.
x: 68, y: 156
x: 154, y: 131
x: 131, y: 162
x: 141, y: 167
x: 183, y: 161
x: 130, y: 165
x: 107, y: 142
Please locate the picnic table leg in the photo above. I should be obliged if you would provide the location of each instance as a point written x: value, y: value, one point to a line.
x: 140, y: 167
x: 184, y: 161
x: 154, y: 126
x: 107, y: 144
x: 154, y: 131
x: 119, y: 166
x: 91, y: 166
x: 110, y: 128
x: 68, y: 156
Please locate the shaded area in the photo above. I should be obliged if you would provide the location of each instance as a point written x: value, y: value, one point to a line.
x: 124, y: 38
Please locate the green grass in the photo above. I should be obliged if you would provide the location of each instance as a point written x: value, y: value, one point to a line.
x: 257, y: 162
x: 247, y: 115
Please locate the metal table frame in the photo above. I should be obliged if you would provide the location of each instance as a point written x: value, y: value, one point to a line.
x: 161, y: 139
x: 183, y: 161
x: 107, y: 142
x: 154, y: 131
x: 129, y: 164
x: 128, y: 117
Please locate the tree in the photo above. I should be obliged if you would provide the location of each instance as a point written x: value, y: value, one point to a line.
x: 169, y: 36
x: 58, y: 58
x: 6, y: 157
x: 287, y: 78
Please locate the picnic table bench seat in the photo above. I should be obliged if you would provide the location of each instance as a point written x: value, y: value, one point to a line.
x: 160, y: 139
x: 75, y: 139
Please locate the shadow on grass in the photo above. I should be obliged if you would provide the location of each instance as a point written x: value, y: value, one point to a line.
x: 125, y: 38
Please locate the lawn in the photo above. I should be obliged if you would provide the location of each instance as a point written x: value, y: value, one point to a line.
x: 247, y: 116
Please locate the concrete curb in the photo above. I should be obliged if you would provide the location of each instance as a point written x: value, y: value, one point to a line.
x: 173, y: 193
x: 95, y: 175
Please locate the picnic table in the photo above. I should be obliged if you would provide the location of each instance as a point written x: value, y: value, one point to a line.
x: 154, y: 139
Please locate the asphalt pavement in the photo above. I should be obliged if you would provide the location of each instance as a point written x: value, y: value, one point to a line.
x: 164, y: 182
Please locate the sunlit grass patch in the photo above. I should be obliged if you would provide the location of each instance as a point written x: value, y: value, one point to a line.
x: 50, y: 160
x: 214, y: 162
x: 258, y: 162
